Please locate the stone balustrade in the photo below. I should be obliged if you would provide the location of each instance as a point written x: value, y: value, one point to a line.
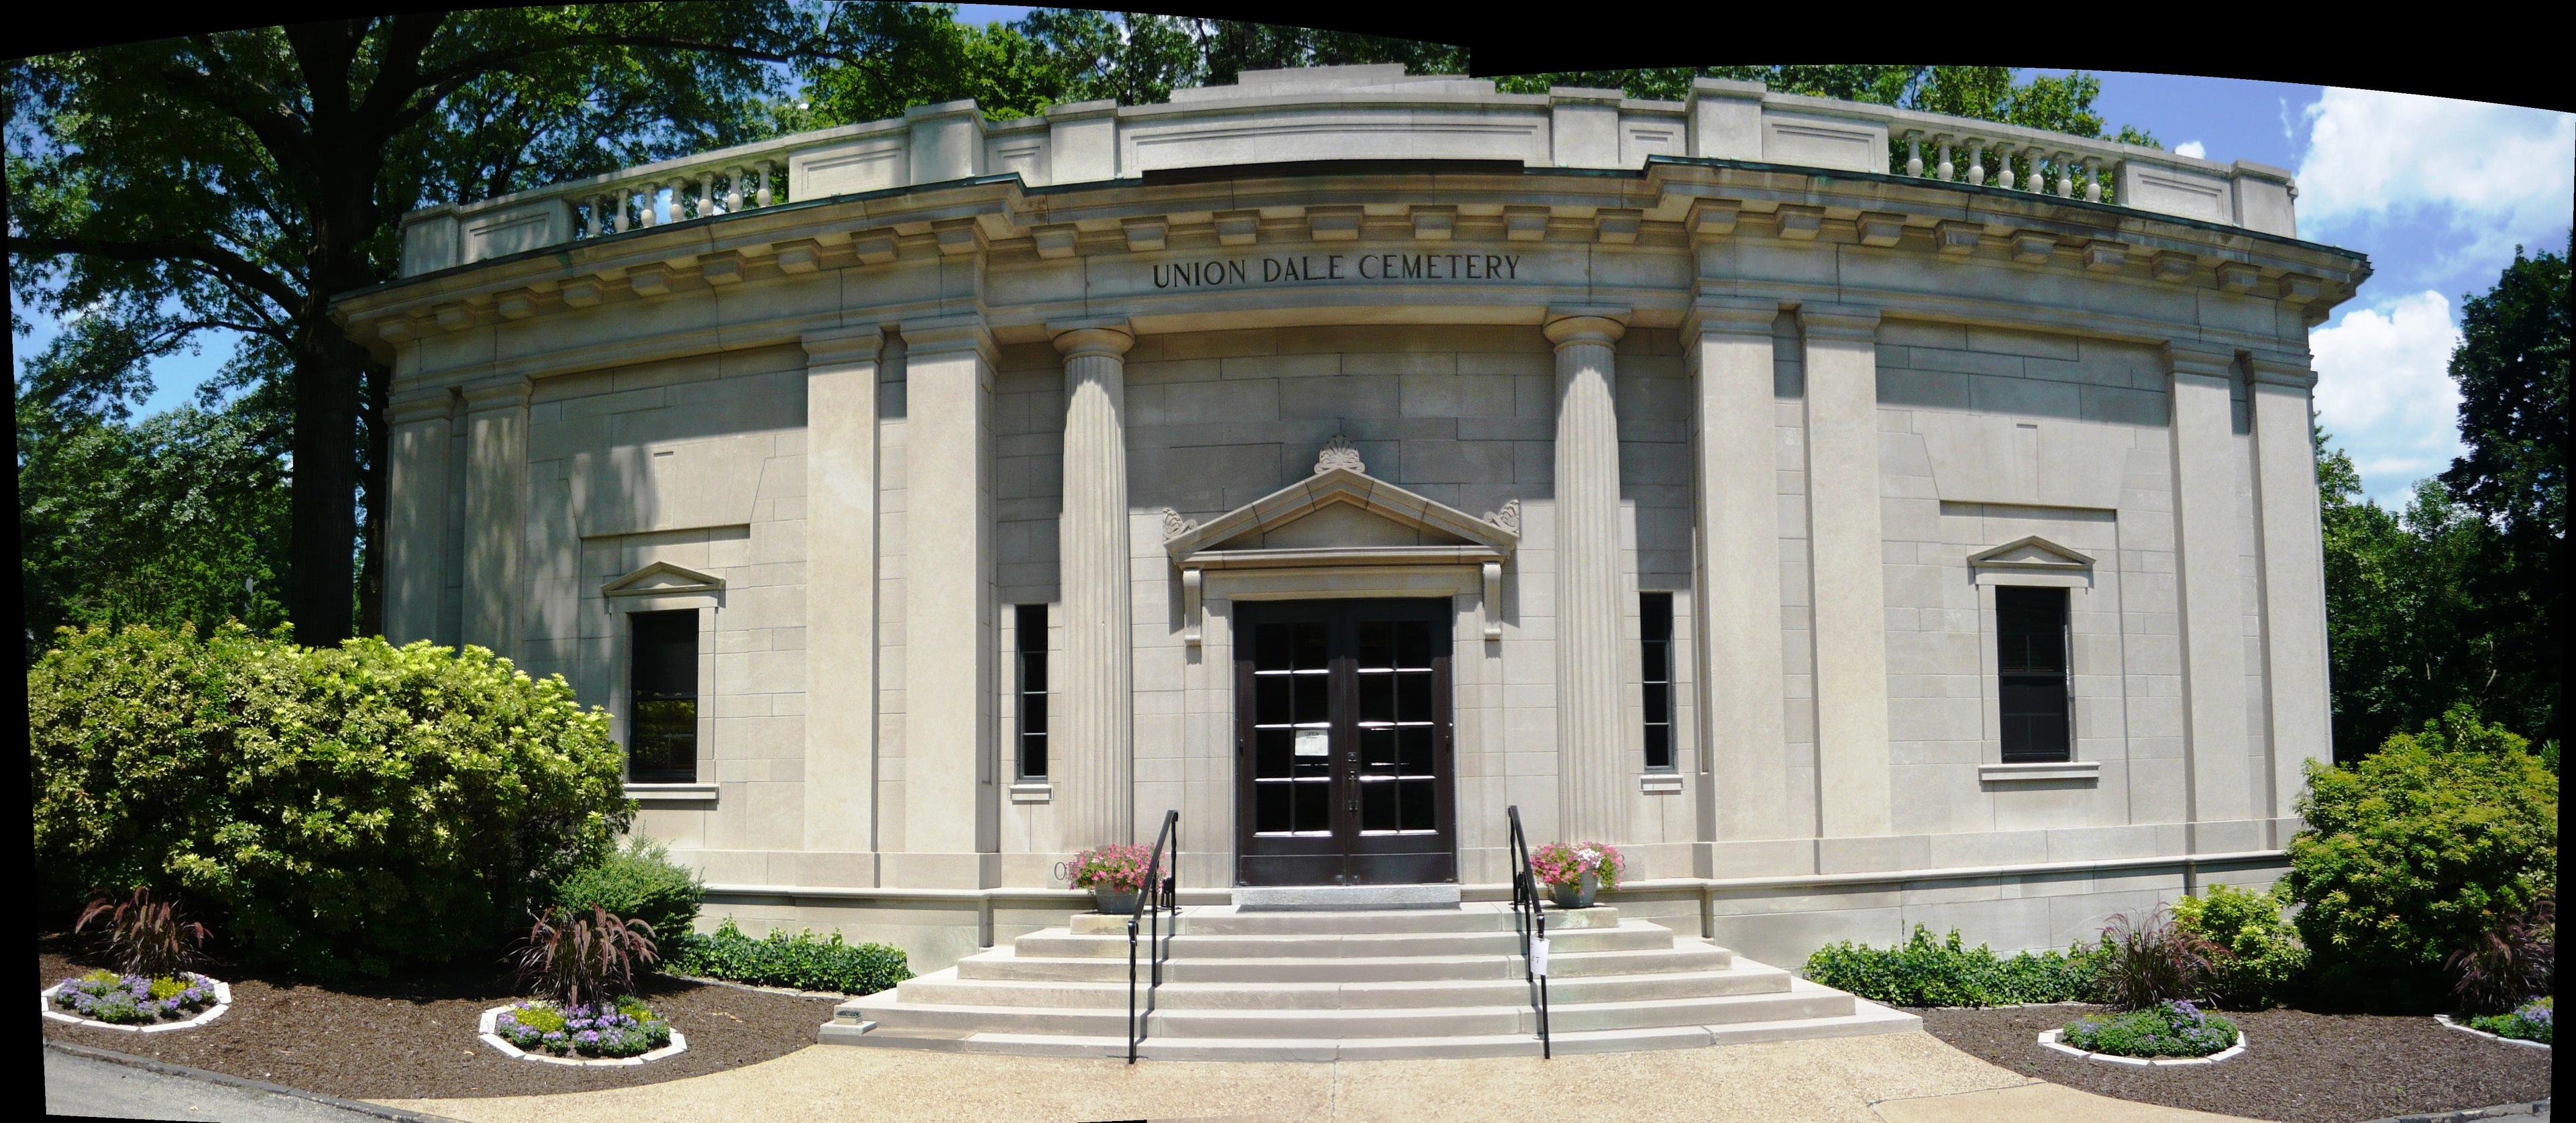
x: 1353, y: 113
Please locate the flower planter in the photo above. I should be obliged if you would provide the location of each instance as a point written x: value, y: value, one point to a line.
x: 1115, y: 902
x: 490, y: 1031
x: 223, y: 1001
x: 2465, y: 1027
x: 1576, y: 894
x: 2049, y: 1040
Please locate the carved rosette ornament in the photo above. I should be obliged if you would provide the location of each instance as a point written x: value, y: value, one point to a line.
x: 1175, y: 526
x: 1509, y: 518
x: 1338, y: 453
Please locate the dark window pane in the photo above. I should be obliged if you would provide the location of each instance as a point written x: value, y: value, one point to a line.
x: 1033, y: 717
x: 1314, y: 806
x: 1658, y: 703
x: 1309, y: 643
x: 1655, y: 615
x: 1417, y: 806
x: 1377, y: 806
x: 662, y: 725
x: 1377, y: 747
x: 1377, y: 645
x: 1270, y: 748
x: 1033, y: 755
x: 1270, y: 647
x: 1313, y: 698
x: 1413, y: 645
x: 1377, y: 697
x: 1270, y: 699
x: 1414, y: 750
x: 2030, y: 644
x: 1654, y: 662
x: 1659, y: 746
x: 1413, y: 696
x: 1270, y: 808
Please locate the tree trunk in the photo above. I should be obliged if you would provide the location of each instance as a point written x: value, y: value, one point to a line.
x: 322, y: 520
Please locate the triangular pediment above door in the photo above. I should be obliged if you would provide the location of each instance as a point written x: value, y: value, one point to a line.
x: 1342, y: 508
x: 662, y: 579
x: 2032, y: 553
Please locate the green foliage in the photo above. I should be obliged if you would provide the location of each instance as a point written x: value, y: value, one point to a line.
x: 2416, y: 851
x: 1928, y: 972
x: 803, y: 961
x: 2151, y: 960
x: 2535, y: 1021
x: 2166, y: 1029
x: 639, y: 881
x: 347, y: 808
x: 2259, y: 959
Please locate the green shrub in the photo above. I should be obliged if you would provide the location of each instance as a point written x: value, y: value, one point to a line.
x: 804, y: 961
x: 2166, y: 1029
x: 348, y: 808
x: 1926, y: 972
x: 2416, y: 851
x: 2260, y: 959
x: 2535, y: 1021
x: 639, y: 882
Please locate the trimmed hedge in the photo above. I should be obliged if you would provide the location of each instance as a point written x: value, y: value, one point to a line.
x: 340, y: 809
x: 1927, y: 972
x: 639, y: 882
x: 804, y: 961
x: 2414, y: 852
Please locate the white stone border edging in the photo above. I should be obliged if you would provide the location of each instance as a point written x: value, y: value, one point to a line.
x: 2445, y: 1019
x: 223, y: 1002
x: 679, y: 1044
x: 2049, y: 1040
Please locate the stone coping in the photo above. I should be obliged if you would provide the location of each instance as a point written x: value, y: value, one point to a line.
x: 223, y: 1002
x: 2049, y: 1040
x: 2464, y: 1027
x: 679, y: 1044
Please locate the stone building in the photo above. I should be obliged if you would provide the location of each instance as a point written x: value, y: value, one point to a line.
x: 1861, y: 518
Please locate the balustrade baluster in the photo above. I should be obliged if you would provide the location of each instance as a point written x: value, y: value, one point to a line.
x: 1914, y: 155
x: 706, y: 193
x: 760, y: 173
x: 647, y: 207
x: 733, y: 190
x: 1946, y: 169
x: 2065, y: 175
x: 2092, y: 180
x: 1976, y: 162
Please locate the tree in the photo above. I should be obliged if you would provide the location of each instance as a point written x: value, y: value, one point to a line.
x: 2405, y: 639
x: 2512, y: 369
x: 242, y: 179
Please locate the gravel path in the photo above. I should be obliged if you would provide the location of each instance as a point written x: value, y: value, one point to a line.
x: 2298, y: 1066
x: 417, y: 1039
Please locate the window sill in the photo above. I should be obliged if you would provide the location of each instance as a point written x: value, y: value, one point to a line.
x: 2087, y: 771
x: 1659, y: 783
x: 1033, y: 791
x: 671, y: 793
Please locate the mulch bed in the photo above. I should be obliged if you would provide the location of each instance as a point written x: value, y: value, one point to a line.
x: 2309, y: 1068
x: 415, y: 1039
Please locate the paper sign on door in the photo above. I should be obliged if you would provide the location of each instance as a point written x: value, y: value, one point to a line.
x: 1314, y: 742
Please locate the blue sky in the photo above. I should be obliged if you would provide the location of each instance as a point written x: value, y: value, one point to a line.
x: 2437, y: 192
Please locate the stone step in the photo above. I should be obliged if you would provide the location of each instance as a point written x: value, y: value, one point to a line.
x: 1626, y: 935
x: 1475, y: 917
x: 1869, y: 1018
x: 1683, y: 954
x: 1802, y: 1001
x: 948, y: 987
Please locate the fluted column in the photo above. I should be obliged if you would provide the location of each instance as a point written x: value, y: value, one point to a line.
x: 1591, y: 753
x: 416, y: 516
x: 496, y: 486
x: 1094, y: 765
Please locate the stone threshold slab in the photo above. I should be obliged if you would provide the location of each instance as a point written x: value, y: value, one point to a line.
x: 1344, y: 898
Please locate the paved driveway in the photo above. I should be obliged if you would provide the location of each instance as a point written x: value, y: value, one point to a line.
x: 80, y: 1085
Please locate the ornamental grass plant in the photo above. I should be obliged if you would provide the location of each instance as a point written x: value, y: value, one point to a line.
x: 575, y: 958
x: 143, y: 935
x: 2150, y: 961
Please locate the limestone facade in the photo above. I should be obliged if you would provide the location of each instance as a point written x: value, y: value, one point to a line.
x: 1775, y: 359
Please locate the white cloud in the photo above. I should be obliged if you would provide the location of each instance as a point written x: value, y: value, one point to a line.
x: 2192, y: 148
x: 2384, y: 391
x: 2496, y: 174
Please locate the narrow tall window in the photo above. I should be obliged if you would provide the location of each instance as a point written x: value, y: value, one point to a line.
x: 1655, y: 629
x: 2030, y: 632
x: 1031, y: 625
x: 662, y: 730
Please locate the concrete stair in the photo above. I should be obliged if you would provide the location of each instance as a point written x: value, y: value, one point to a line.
x: 1354, y: 985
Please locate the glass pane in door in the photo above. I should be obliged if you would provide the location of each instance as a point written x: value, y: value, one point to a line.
x: 1292, y: 729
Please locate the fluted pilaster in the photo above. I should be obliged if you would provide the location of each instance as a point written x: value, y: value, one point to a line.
x: 1591, y: 754
x: 1094, y: 755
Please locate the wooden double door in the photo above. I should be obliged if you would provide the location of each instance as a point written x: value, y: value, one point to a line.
x: 1343, y: 743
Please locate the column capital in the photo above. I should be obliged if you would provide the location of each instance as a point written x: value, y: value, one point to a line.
x: 859, y: 343
x: 1077, y: 338
x: 1729, y: 315
x: 426, y: 405
x: 2269, y: 368
x: 1586, y: 324
x: 1848, y: 322
x: 2183, y: 356
x: 499, y: 393
x: 950, y: 333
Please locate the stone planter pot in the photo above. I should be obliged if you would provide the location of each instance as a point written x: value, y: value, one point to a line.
x: 1577, y: 894
x: 1115, y: 902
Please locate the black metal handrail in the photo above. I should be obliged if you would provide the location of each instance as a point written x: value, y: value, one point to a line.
x: 1162, y: 891
x: 1531, y: 920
